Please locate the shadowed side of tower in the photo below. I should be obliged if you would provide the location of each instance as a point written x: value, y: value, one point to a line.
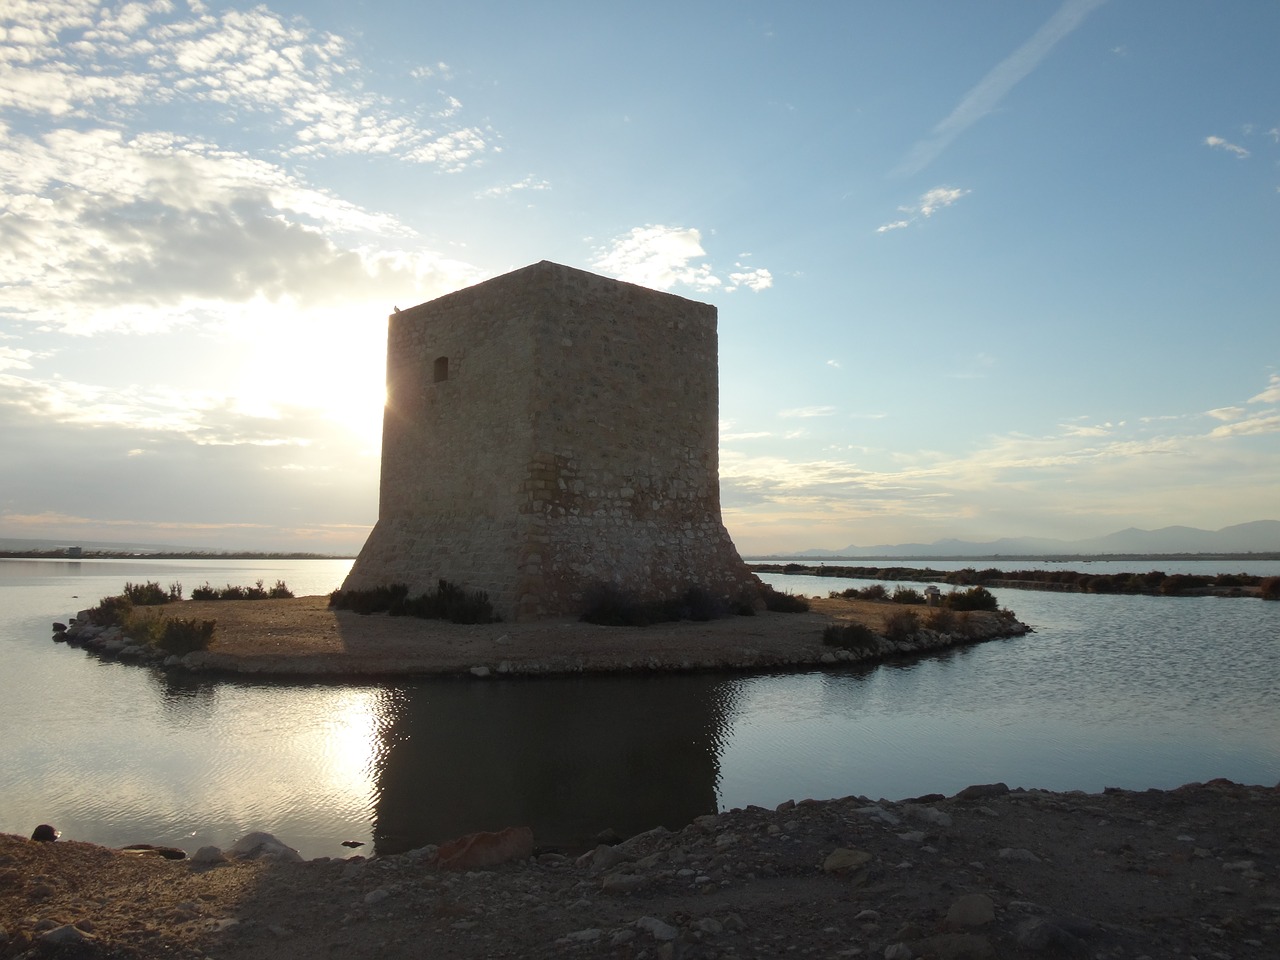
x: 547, y: 431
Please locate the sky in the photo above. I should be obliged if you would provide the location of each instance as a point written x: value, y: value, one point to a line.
x: 993, y: 269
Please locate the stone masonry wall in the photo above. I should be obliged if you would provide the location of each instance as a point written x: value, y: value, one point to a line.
x: 571, y: 441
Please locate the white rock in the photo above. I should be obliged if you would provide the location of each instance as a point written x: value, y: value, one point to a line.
x: 479, y: 671
x: 252, y: 846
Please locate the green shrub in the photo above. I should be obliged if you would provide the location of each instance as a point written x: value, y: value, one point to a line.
x: 182, y: 636
x: 111, y: 611
x: 171, y: 634
x: 875, y: 591
x: 940, y: 619
x: 902, y: 625
x: 143, y: 626
x: 1269, y: 588
x: 151, y: 594
x: 850, y: 636
x: 257, y: 592
x: 611, y: 606
x: 779, y: 602
x: 975, y: 598
x: 447, y: 602
x: 373, y: 600
x: 907, y: 595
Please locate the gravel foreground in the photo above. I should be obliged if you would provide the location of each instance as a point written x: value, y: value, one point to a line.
x: 988, y: 873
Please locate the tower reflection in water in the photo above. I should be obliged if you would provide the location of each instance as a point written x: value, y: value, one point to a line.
x: 569, y: 757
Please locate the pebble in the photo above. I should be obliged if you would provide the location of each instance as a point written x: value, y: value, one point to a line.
x: 68, y: 935
x: 972, y: 910
x: 1017, y: 853
x: 658, y: 929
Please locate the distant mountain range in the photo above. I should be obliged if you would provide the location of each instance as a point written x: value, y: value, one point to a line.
x: 1259, y: 536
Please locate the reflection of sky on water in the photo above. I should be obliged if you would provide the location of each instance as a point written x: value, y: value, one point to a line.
x: 1124, y: 691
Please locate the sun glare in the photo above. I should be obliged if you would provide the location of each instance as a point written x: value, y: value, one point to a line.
x: 318, y: 363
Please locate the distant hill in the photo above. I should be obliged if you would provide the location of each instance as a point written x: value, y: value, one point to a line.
x: 1259, y: 536
x: 17, y: 544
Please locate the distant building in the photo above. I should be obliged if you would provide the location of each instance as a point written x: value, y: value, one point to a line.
x: 546, y: 431
x: 75, y: 551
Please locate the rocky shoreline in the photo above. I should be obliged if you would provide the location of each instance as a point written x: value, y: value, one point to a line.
x: 987, y: 873
x: 304, y: 637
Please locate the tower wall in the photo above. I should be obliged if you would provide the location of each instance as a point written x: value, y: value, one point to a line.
x: 546, y: 431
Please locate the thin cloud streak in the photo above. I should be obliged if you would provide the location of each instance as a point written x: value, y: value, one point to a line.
x: 995, y: 86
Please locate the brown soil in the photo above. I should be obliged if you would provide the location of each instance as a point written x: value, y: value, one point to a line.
x: 1184, y: 873
x: 304, y: 636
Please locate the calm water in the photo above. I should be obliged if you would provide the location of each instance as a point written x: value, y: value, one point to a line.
x: 1109, y: 691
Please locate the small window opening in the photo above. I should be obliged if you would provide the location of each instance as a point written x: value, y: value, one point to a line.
x: 441, y: 369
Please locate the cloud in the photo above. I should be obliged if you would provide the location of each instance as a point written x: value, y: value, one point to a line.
x: 995, y: 86
x: 528, y: 184
x: 100, y: 231
x: 660, y: 257
x: 14, y: 358
x: 895, y: 225
x: 754, y: 280
x: 929, y: 203
x: 1271, y: 394
x: 244, y: 70
x: 1227, y: 413
x: 1155, y: 467
x: 806, y: 412
x: 1219, y: 144
x: 1252, y: 426
x: 939, y: 198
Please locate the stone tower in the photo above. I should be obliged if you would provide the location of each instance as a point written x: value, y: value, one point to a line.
x: 546, y: 431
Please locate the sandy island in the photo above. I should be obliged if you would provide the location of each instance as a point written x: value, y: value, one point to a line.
x: 304, y: 636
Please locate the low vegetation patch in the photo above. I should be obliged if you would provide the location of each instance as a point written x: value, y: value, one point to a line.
x: 975, y: 598
x: 610, y: 605
x: 1151, y: 583
x: 850, y: 636
x: 151, y: 594
x: 130, y: 611
x: 779, y: 602
x: 901, y: 625
x: 447, y: 602
x: 257, y: 592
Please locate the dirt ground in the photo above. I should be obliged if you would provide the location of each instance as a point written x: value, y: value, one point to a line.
x: 304, y: 636
x: 985, y: 874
